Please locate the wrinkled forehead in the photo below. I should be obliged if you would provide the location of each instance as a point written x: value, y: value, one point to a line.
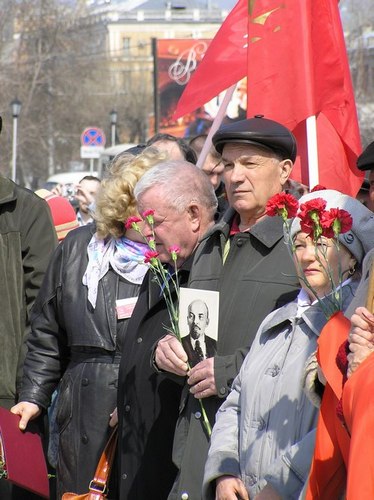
x: 232, y: 151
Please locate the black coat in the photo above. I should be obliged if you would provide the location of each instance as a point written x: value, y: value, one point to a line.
x: 77, y: 347
x: 148, y: 402
x: 193, y: 357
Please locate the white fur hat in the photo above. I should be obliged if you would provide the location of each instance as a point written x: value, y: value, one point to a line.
x: 360, y: 239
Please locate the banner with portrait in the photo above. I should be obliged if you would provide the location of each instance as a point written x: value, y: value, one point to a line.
x: 175, y: 61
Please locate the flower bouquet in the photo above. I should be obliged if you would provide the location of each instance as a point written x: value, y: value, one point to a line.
x: 167, y: 279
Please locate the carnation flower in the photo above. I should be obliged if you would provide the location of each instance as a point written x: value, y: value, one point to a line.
x: 310, y: 215
x: 150, y: 257
x: 151, y: 243
x: 282, y: 204
x: 132, y: 223
x: 318, y: 187
x: 148, y: 216
x: 335, y: 222
x: 174, y: 251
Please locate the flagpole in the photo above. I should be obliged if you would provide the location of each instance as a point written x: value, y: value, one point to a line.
x: 215, y: 125
x: 312, y: 147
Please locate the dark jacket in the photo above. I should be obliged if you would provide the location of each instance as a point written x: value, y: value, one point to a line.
x: 81, y: 346
x: 193, y: 356
x: 148, y: 401
x: 27, y: 241
x: 258, y: 276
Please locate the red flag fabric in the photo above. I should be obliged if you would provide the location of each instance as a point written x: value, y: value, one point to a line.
x: 224, y: 62
x: 336, y: 161
x: 296, y: 65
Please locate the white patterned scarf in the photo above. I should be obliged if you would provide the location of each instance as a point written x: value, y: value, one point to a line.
x: 125, y: 256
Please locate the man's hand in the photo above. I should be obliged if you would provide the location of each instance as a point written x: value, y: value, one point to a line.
x: 230, y: 488
x: 171, y: 357
x: 201, y: 379
x: 27, y: 411
x: 361, y: 338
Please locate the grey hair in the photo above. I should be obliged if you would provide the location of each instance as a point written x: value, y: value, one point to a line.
x: 181, y: 184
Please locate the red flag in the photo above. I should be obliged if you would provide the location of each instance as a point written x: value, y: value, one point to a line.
x: 297, y: 67
x: 224, y: 62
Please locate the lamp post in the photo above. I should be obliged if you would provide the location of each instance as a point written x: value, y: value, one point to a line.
x: 113, y: 122
x: 16, y: 109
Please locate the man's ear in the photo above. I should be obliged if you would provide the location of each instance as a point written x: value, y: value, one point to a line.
x: 285, y: 169
x: 194, y: 212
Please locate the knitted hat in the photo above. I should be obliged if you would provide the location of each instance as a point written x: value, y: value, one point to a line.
x: 63, y: 214
x: 360, y: 239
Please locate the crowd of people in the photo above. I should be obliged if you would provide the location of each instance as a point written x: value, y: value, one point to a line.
x: 276, y: 406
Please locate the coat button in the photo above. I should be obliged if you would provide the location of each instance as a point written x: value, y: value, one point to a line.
x: 139, y: 340
x: 124, y: 476
x: 197, y: 414
x: 127, y: 408
x: 85, y: 381
x: 239, y: 243
x: 261, y: 425
x: 84, y: 439
x: 252, y: 479
x: 222, y: 391
x: 275, y: 371
x: 185, y: 496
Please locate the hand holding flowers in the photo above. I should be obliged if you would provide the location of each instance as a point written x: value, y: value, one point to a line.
x: 167, y: 278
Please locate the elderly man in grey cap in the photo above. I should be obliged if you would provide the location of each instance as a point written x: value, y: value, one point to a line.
x: 243, y: 258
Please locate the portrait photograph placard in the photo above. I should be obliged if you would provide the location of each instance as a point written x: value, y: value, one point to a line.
x: 198, y: 323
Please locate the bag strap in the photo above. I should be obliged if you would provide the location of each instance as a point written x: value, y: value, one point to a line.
x: 99, y: 482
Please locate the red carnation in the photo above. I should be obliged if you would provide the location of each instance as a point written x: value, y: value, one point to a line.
x: 318, y: 187
x: 335, y: 222
x: 282, y: 204
x: 132, y: 222
x: 315, y: 206
x: 148, y: 212
x: 150, y: 255
x: 310, y: 215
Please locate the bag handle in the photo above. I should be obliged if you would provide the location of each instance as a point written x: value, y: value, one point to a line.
x: 99, y: 482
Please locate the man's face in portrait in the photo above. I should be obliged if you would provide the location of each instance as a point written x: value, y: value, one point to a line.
x: 197, y: 318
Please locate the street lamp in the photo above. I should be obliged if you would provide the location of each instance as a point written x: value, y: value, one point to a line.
x: 113, y: 122
x: 16, y: 109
